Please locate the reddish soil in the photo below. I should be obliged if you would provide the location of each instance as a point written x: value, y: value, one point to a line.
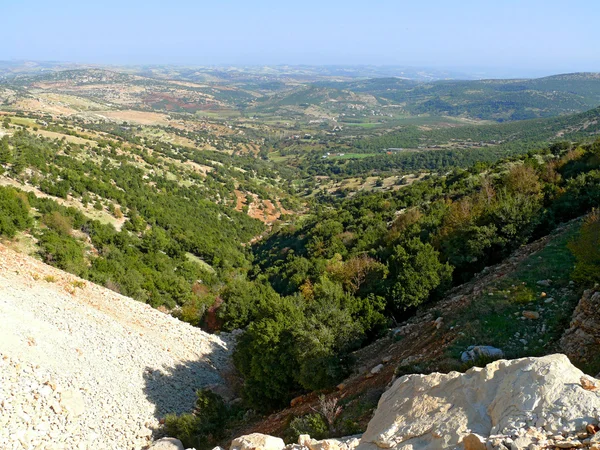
x: 264, y: 210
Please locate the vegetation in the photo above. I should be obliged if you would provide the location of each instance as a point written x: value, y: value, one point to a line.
x: 203, y: 428
x: 169, y: 213
x: 498, y: 100
x: 383, y: 254
x: 314, y: 290
x: 446, y: 148
x: 586, y: 249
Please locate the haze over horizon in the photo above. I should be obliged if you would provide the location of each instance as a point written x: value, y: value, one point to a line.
x: 513, y: 38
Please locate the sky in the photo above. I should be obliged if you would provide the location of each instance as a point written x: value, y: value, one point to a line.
x: 498, y: 37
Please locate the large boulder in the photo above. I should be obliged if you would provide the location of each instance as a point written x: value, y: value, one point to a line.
x: 257, y: 441
x: 167, y: 444
x: 439, y: 411
x: 475, y: 352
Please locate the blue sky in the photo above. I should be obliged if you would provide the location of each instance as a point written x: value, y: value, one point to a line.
x: 514, y: 37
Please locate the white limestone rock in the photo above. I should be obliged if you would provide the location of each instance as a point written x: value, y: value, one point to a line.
x: 438, y: 411
x: 167, y: 444
x: 257, y: 441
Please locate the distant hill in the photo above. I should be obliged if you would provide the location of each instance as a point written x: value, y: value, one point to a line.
x: 384, y: 96
x: 498, y: 100
x: 80, y: 76
x: 443, y: 148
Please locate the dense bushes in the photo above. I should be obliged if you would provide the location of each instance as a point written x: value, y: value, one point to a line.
x: 203, y: 428
x: 186, y: 212
x: 14, y: 212
x: 586, y: 249
x: 301, y: 343
x: 62, y: 251
x: 170, y: 224
x: 357, y: 262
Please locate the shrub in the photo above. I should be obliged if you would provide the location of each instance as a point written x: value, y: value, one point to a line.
x: 586, y: 249
x: 242, y: 301
x: 312, y: 424
x: 57, y: 222
x: 205, y: 426
x: 63, y: 252
x: 14, y: 212
x: 415, y: 271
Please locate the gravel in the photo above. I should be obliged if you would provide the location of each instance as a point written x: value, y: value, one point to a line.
x: 82, y: 367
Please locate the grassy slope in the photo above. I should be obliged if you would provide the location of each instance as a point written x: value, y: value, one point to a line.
x: 495, y: 315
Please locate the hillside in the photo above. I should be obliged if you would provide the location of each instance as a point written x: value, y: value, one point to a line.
x: 309, y: 238
x: 412, y: 149
x: 485, y: 311
x: 497, y: 100
x: 84, y: 367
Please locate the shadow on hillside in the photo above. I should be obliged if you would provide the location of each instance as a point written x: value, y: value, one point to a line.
x: 173, y: 389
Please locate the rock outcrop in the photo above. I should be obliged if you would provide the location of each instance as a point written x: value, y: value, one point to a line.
x: 522, y: 404
x: 507, y: 404
x: 581, y: 342
x: 257, y: 441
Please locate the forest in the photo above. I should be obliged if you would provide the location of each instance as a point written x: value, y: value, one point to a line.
x: 313, y: 290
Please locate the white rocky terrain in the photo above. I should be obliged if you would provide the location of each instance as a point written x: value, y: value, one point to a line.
x: 522, y: 404
x: 82, y: 367
x: 539, y: 402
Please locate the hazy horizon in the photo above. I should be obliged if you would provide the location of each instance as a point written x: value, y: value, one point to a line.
x: 455, y: 72
x: 512, y: 39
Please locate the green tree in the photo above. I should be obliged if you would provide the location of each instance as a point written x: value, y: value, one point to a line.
x: 415, y: 271
x: 14, y: 212
x: 18, y: 165
x: 266, y: 355
x: 6, y: 156
x: 242, y: 302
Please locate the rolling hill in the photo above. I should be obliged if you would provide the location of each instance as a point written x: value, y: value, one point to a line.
x: 497, y: 100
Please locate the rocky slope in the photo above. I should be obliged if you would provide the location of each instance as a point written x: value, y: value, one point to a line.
x: 82, y: 367
x: 522, y: 404
x: 581, y: 342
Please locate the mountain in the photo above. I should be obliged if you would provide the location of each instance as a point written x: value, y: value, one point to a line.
x: 336, y: 94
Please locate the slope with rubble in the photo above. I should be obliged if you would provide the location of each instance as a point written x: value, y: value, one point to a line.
x: 82, y: 367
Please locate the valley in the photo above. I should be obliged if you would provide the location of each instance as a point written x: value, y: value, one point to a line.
x: 328, y: 230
